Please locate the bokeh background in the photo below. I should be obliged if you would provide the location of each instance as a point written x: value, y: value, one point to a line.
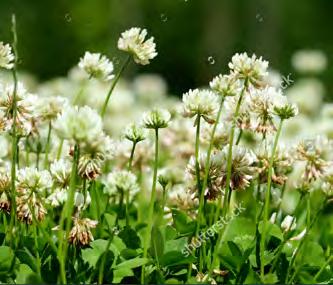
x: 195, y: 38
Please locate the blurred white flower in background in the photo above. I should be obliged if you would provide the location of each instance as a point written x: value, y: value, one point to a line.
x: 309, y: 61
x: 308, y: 95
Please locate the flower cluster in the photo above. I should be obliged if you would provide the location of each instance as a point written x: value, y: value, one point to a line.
x: 133, y: 41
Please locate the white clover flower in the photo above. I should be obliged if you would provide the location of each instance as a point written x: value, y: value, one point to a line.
x: 26, y: 104
x: 284, y: 109
x: 61, y: 172
x: 135, y: 133
x: 288, y: 223
x: 309, y: 61
x: 80, y: 234
x: 57, y: 198
x: 214, y: 182
x: 121, y: 181
x: 264, y: 104
x: 49, y: 107
x: 97, y: 66
x: 242, y: 165
x: 31, y: 187
x: 133, y: 41
x: 81, y: 125
x: 251, y: 69
x: 6, y: 56
x: 156, y: 119
x: 32, y: 179
x: 94, y: 155
x: 225, y: 85
x: 202, y: 103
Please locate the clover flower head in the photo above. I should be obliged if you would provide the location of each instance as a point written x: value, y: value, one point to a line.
x: 215, y: 181
x: 284, y: 109
x: 133, y: 41
x: 242, y: 167
x: 263, y: 105
x: 156, y: 119
x: 31, y: 187
x: 81, y: 125
x: 60, y: 173
x: 26, y: 104
x: 202, y: 103
x: 225, y: 85
x: 50, y: 107
x: 33, y: 180
x: 121, y: 181
x: 80, y: 234
x: 6, y: 56
x: 97, y: 66
x: 135, y: 133
x: 251, y: 69
x: 94, y: 155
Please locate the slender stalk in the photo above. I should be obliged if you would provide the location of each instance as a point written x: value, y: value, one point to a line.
x: 130, y: 161
x: 67, y: 214
x: 102, y: 265
x: 47, y: 146
x: 300, y: 245
x: 207, y: 163
x: 239, y: 136
x: 227, y: 194
x: 113, y: 85
x: 14, y: 135
x: 267, y: 199
x: 322, y: 268
x: 38, y: 271
x: 60, y: 149
x: 197, y: 170
x: 279, y: 249
x: 79, y: 94
x: 151, y: 208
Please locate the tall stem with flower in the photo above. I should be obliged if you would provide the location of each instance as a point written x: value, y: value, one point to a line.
x: 14, y: 134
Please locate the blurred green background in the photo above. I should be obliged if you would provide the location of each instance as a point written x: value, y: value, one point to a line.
x: 195, y: 38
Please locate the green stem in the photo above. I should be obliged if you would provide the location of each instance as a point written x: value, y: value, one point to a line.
x: 151, y: 208
x: 207, y: 163
x: 227, y: 195
x: 113, y: 85
x: 102, y: 265
x: 301, y: 244
x: 322, y: 268
x: 239, y: 136
x: 279, y: 249
x: 267, y: 199
x: 67, y: 214
x: 130, y: 161
x: 38, y: 271
x: 14, y: 136
x: 47, y: 146
x: 60, y: 149
x: 79, y: 94
x: 197, y: 171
